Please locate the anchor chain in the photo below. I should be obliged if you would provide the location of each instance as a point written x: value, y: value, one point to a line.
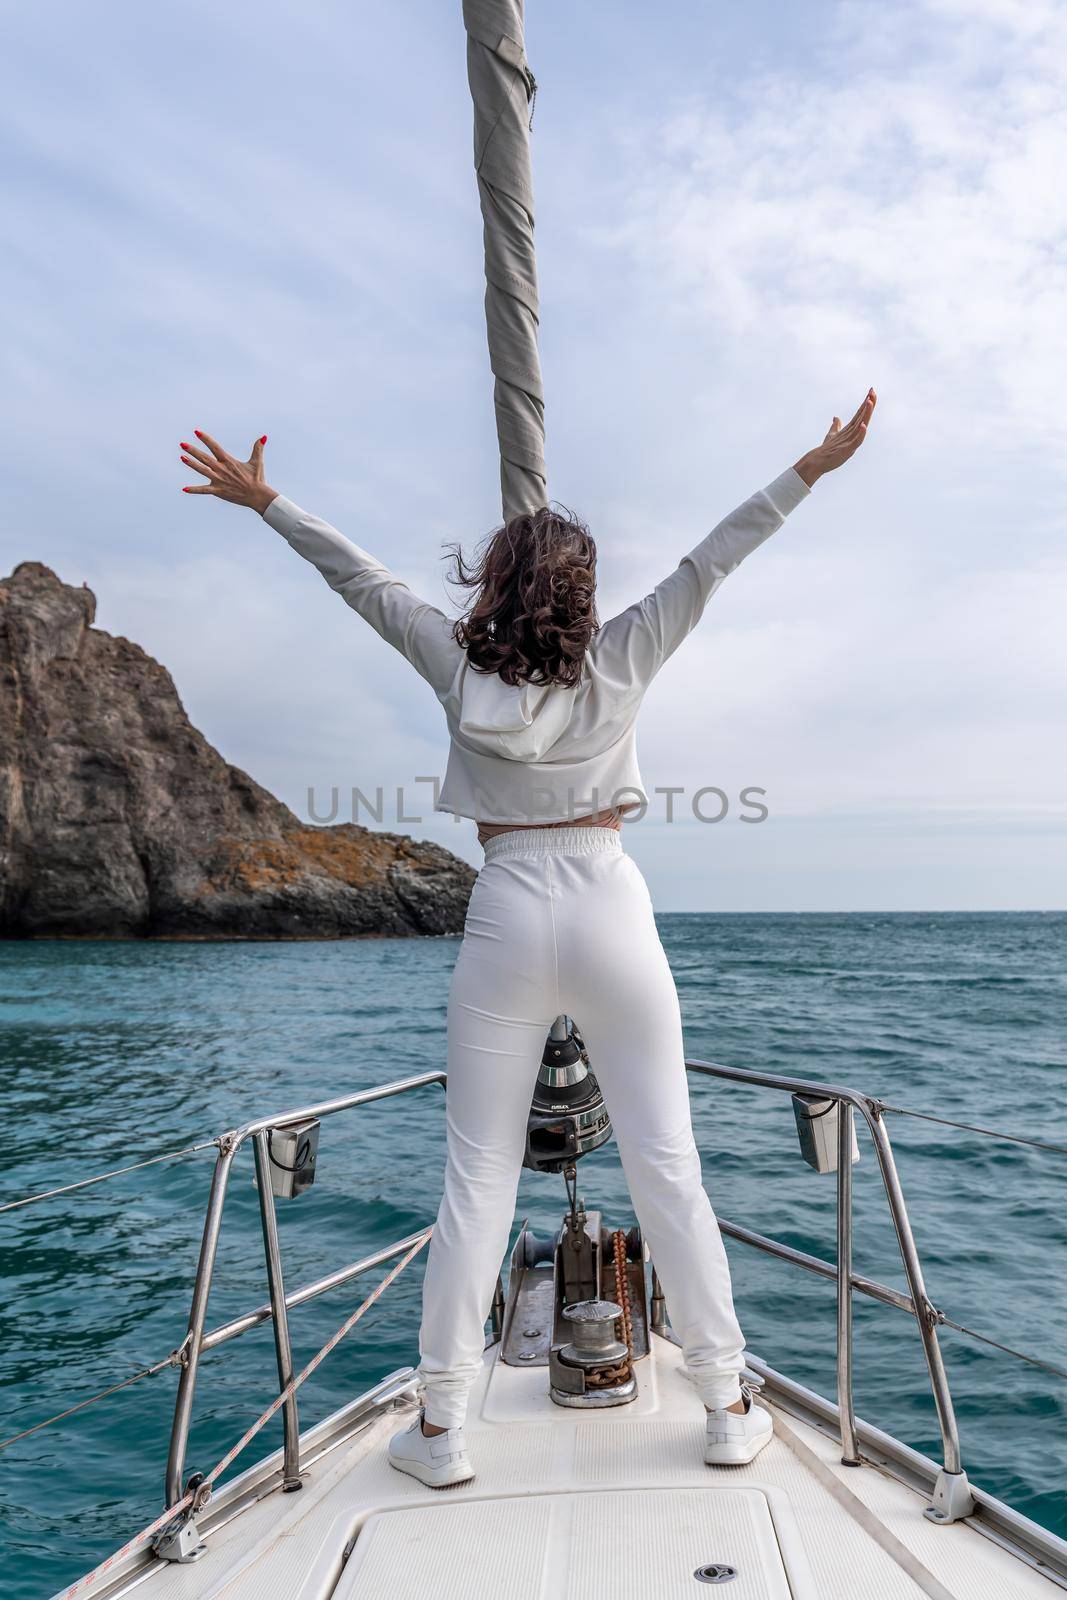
x: 607, y: 1377
x: 622, y: 1290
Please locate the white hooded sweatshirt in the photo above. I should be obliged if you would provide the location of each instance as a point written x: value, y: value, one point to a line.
x: 542, y: 753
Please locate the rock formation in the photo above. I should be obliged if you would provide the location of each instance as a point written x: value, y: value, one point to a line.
x: 119, y: 820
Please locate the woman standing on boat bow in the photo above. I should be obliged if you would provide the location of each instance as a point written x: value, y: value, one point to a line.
x: 541, y: 702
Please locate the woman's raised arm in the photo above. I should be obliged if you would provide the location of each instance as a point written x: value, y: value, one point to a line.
x: 421, y: 632
x: 632, y: 646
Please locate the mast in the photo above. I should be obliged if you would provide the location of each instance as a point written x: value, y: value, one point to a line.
x: 502, y: 88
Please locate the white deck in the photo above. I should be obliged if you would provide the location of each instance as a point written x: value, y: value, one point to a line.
x: 618, y: 1543
x: 595, y: 1505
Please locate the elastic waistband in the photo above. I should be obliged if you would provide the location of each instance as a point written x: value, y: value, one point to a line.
x: 554, y: 842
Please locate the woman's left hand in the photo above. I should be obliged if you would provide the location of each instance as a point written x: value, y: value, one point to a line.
x: 839, y: 444
x: 240, y: 482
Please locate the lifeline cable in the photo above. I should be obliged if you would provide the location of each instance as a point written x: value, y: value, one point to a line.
x: 1020, y: 1355
x: 173, y: 1360
x: 101, y: 1177
x: 973, y: 1127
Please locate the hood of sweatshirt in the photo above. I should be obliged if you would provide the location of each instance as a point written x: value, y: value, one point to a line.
x: 517, y: 722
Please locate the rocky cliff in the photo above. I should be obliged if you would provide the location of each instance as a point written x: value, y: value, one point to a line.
x: 119, y: 820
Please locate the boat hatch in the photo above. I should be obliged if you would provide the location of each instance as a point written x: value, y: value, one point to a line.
x: 618, y: 1545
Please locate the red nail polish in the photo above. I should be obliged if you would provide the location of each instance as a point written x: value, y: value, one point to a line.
x: 264, y: 439
x: 185, y: 490
x: 199, y: 435
x: 184, y: 445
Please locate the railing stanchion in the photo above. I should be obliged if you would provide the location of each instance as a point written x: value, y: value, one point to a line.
x: 849, y: 1452
x: 193, y: 1344
x: 279, y: 1315
x: 205, y: 1266
x: 952, y: 1495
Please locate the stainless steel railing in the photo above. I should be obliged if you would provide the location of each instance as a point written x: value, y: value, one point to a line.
x: 197, y: 1341
x: 952, y: 1496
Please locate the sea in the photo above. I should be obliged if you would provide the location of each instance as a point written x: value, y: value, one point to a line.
x: 112, y: 1053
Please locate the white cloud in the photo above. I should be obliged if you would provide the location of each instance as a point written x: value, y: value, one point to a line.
x: 900, y: 213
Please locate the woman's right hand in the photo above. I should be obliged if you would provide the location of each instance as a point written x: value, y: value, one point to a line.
x: 240, y: 482
x: 840, y: 443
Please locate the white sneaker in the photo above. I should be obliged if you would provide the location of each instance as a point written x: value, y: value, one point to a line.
x: 734, y: 1437
x: 439, y: 1460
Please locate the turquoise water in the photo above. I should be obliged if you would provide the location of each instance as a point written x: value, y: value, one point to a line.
x: 112, y: 1052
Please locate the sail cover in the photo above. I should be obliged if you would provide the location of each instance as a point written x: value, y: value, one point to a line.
x: 502, y: 87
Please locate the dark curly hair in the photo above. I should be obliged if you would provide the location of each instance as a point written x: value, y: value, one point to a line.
x: 534, y: 610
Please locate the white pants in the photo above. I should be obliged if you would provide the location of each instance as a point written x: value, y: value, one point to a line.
x: 560, y: 921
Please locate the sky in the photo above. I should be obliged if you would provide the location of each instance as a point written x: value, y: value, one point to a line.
x: 264, y: 219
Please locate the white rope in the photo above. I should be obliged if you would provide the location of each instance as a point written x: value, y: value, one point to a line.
x: 220, y: 1466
